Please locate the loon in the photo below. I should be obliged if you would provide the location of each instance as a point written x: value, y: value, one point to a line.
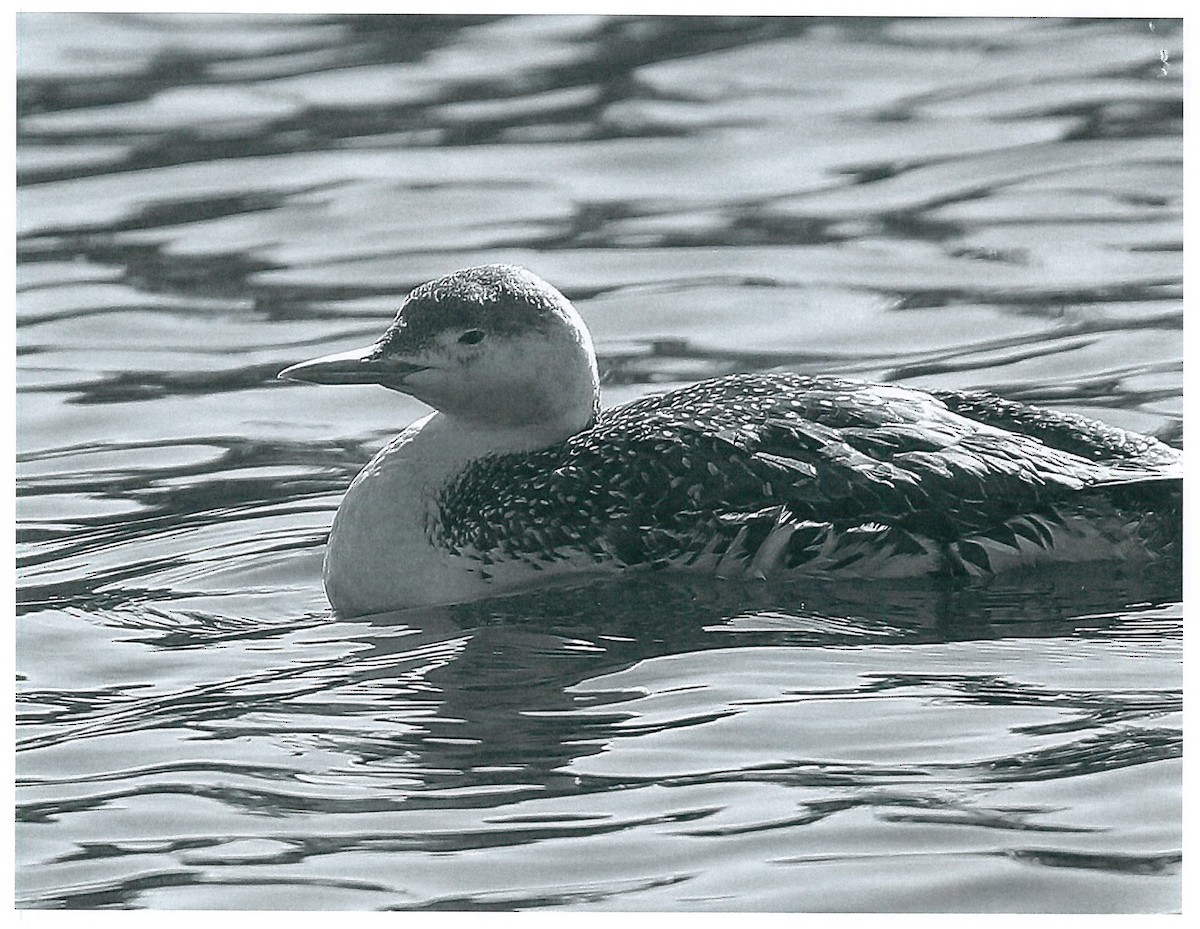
x: 518, y: 474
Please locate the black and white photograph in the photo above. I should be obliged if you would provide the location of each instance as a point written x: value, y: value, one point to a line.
x: 666, y: 462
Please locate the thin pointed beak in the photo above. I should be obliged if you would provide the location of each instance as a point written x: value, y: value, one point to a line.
x: 358, y: 366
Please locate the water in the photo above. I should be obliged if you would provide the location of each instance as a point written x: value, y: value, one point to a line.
x: 205, y: 200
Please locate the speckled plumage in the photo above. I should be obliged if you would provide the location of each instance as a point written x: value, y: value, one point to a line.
x: 838, y: 467
x: 517, y: 473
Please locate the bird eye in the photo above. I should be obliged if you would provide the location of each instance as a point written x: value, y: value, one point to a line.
x: 471, y: 336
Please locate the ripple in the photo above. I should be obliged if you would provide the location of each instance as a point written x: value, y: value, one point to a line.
x: 203, y: 200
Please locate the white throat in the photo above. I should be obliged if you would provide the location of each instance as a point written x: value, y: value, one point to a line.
x: 380, y: 542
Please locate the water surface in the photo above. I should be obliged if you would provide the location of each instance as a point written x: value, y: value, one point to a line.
x: 205, y: 200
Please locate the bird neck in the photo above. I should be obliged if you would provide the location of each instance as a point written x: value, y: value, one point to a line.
x: 449, y: 443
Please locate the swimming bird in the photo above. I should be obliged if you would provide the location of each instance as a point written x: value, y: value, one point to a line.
x: 518, y: 475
